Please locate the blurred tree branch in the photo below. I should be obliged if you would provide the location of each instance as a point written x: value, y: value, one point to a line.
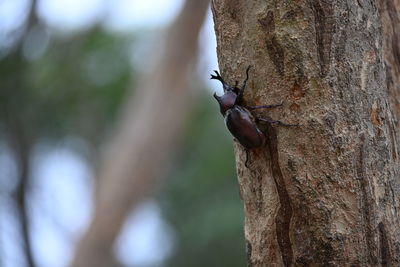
x: 21, y: 139
x: 22, y: 144
x: 148, y: 131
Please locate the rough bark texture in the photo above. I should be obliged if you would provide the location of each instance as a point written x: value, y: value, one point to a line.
x: 325, y: 193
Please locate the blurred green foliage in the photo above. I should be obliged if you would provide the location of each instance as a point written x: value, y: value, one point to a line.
x: 201, y: 200
x: 76, y: 87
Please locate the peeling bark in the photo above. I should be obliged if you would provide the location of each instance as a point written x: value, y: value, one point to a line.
x: 325, y: 193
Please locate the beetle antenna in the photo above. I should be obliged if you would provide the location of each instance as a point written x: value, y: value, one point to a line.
x: 241, y: 92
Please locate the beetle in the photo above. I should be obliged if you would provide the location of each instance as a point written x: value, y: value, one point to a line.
x: 239, y: 120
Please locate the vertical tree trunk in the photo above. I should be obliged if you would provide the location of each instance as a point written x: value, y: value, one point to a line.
x: 325, y: 193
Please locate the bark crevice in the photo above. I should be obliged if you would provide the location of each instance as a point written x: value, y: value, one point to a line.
x: 384, y: 245
x: 395, y: 22
x: 366, y: 202
x: 285, y: 211
x: 275, y: 50
x: 324, y: 28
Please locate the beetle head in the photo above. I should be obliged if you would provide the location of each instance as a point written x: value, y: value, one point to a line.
x: 226, y: 101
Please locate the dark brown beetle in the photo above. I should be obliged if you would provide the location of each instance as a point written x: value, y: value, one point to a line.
x: 238, y: 118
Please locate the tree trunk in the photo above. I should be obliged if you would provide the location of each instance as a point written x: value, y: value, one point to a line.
x: 324, y: 193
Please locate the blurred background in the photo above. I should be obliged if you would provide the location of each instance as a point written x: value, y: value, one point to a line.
x: 66, y: 68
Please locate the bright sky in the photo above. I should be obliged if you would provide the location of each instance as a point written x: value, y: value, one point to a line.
x: 119, y: 14
x: 58, y: 171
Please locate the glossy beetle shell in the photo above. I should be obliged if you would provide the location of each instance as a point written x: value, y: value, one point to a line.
x: 238, y: 119
x: 242, y: 126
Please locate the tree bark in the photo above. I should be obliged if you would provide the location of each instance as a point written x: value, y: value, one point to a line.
x: 325, y: 193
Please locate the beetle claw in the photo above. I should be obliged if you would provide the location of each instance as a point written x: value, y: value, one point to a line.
x: 275, y: 122
x: 264, y: 106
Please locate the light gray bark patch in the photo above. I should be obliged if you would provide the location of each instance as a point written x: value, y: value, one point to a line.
x: 260, y: 199
x: 256, y: 186
x: 341, y: 46
x: 384, y: 245
x: 324, y: 28
x: 256, y: 189
x: 295, y: 67
x: 285, y: 211
x: 395, y: 21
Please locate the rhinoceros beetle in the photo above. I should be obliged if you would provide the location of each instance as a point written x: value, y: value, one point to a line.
x: 238, y: 118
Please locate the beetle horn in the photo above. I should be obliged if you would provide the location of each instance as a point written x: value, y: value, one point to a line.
x: 216, y: 77
x: 217, y: 97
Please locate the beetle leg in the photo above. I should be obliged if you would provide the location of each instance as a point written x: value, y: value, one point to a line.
x: 241, y: 92
x: 264, y: 106
x: 236, y: 89
x: 245, y: 80
x: 275, y: 122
